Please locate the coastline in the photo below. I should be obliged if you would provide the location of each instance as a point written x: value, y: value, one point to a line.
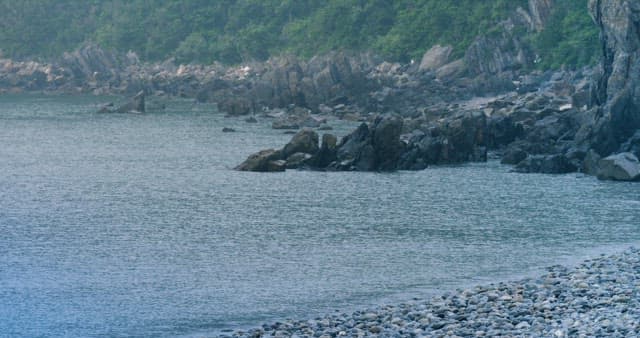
x: 597, y: 297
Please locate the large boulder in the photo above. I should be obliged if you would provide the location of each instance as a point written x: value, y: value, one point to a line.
x: 619, y: 167
x: 327, y: 152
x: 305, y: 141
x: 386, y: 141
x: 435, y: 57
x: 372, y: 148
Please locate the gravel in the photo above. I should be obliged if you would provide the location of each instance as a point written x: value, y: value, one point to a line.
x: 598, y: 298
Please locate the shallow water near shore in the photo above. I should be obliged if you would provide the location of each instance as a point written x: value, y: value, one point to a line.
x: 135, y: 225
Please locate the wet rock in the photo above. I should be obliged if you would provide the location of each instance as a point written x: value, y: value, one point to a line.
x: 228, y: 130
x: 514, y: 156
x: 298, y: 160
x: 135, y: 105
x: 619, y: 167
x: 263, y: 161
x: 372, y: 148
x: 545, y: 164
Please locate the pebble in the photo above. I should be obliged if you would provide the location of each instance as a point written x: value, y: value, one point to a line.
x: 600, y: 297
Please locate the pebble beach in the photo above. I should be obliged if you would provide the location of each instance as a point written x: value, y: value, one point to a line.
x: 598, y: 298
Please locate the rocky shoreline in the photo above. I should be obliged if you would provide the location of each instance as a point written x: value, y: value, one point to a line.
x: 444, y: 110
x: 597, y: 298
x: 572, y: 122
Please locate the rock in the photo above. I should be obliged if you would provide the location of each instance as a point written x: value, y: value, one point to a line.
x: 435, y: 57
x: 632, y: 145
x: 263, y: 161
x: 305, y: 141
x: 285, y: 123
x: 235, y: 105
x: 590, y: 163
x: 619, y: 167
x: 386, y: 141
x: 616, y: 88
x: 514, y: 156
x: 545, y: 164
x: 276, y: 166
x: 228, y: 130
x: 251, y: 119
x: 297, y: 160
x: 327, y: 152
x: 540, y: 11
x: 107, y: 108
x: 135, y: 105
x: 451, y: 70
x: 372, y: 148
x: 502, y: 51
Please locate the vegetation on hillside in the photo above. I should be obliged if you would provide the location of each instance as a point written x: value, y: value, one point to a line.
x: 234, y: 31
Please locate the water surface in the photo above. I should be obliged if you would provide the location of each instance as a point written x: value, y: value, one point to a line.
x: 135, y: 225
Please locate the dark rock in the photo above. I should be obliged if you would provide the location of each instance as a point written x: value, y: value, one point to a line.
x: 502, y: 130
x: 632, y: 145
x: 298, y: 160
x: 228, y: 130
x: 616, y: 89
x: 514, y: 156
x: 135, y: 105
x: 386, y: 141
x: 327, y: 152
x: 375, y: 148
x: 305, y: 141
x: 262, y: 161
x: 235, y: 105
x: 545, y: 164
x: 619, y: 167
x: 590, y: 163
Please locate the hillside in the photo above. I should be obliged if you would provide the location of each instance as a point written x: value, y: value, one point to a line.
x: 234, y: 31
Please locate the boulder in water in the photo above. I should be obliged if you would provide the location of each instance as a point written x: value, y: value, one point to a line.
x: 619, y: 167
x: 135, y: 105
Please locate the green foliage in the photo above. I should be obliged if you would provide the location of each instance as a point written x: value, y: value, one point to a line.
x: 569, y: 39
x: 234, y: 31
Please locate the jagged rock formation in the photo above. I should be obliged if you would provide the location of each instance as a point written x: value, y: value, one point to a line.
x: 616, y: 91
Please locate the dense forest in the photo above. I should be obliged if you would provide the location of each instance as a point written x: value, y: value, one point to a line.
x: 234, y: 31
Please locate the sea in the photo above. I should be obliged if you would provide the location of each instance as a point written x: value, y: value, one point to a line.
x: 136, y: 225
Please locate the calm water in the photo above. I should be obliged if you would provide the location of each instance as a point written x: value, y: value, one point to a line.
x: 134, y: 225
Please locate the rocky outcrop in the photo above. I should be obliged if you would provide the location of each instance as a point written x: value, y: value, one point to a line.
x: 454, y: 140
x: 134, y: 105
x: 545, y: 164
x: 435, y: 57
x: 263, y: 161
x: 539, y: 12
x: 374, y: 147
x: 619, y: 167
x: 616, y: 93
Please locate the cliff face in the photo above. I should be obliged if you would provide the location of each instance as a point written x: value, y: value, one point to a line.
x: 616, y: 90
